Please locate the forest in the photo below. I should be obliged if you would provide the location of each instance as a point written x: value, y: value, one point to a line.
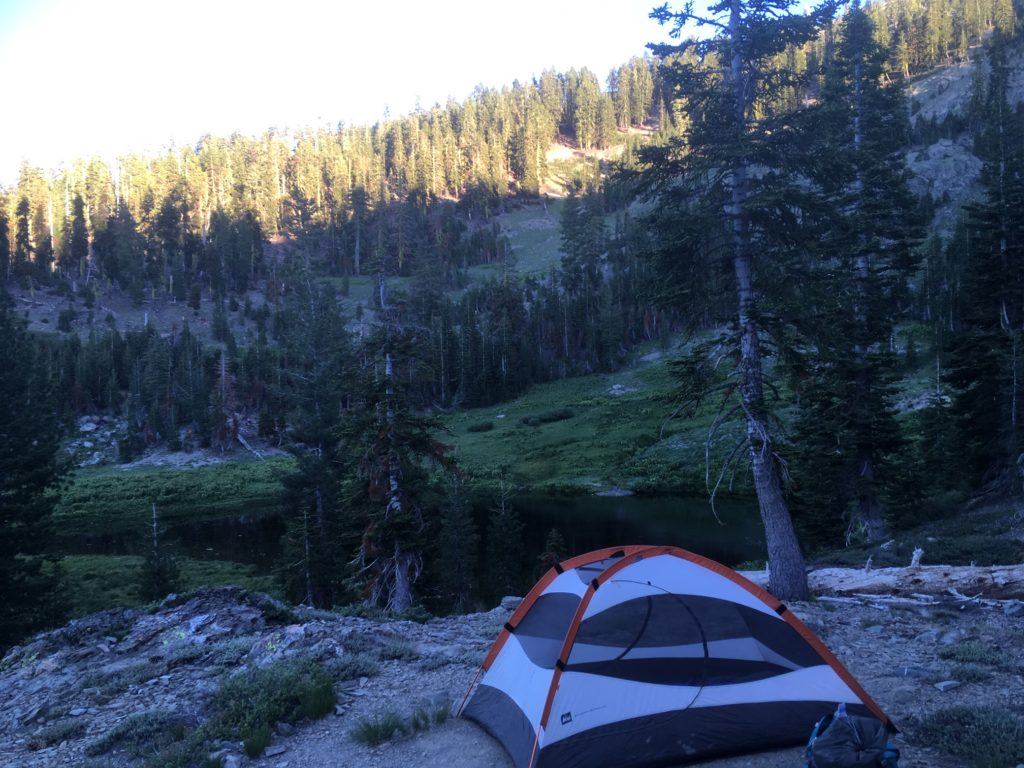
x: 740, y: 197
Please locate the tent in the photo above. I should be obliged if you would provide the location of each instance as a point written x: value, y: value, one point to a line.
x: 653, y: 656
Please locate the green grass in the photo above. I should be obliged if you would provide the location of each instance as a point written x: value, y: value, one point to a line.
x: 376, y: 730
x: 608, y: 440
x: 986, y: 737
x: 115, y: 500
x: 97, y: 582
x: 385, y: 727
x: 972, y: 652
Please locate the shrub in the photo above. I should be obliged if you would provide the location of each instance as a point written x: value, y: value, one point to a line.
x: 481, y: 426
x: 317, y: 699
x: 353, y: 666
x: 427, y: 715
x: 971, y: 673
x: 62, y: 730
x: 377, y: 730
x: 261, y: 697
x: 987, y: 737
x: 142, y: 734
x: 547, y: 417
x: 398, y: 650
x: 257, y: 741
x: 971, y: 652
x: 113, y: 683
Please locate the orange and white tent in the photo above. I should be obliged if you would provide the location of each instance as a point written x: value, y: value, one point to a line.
x: 645, y: 656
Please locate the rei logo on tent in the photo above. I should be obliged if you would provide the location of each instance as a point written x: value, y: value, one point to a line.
x: 674, y: 657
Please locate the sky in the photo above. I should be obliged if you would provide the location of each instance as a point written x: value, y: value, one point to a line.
x: 106, y: 77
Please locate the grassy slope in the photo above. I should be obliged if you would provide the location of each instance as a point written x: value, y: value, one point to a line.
x: 114, y: 500
x: 96, y: 582
x: 611, y: 439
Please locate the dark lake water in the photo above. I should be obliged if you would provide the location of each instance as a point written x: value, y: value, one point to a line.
x: 585, y: 522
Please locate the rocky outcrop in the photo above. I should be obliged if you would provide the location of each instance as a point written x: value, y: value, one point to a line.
x: 64, y: 693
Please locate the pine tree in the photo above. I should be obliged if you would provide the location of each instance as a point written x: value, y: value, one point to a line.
x: 317, y: 369
x: 78, y: 248
x: 725, y: 215
x: 159, y: 575
x: 389, y: 451
x: 985, y: 364
x: 457, y: 548
x: 29, y: 574
x: 5, y: 243
x: 22, y: 261
x: 848, y: 437
x: 554, y: 550
x: 504, y: 544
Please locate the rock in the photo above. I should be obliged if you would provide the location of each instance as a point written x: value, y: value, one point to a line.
x: 87, y: 426
x: 232, y: 761
x: 35, y: 713
x: 952, y: 637
x: 1013, y: 608
x: 615, y: 492
x: 917, y: 673
x: 78, y: 711
x: 285, y: 729
x: 877, y: 629
x: 947, y: 685
x: 510, y: 603
x: 275, y: 749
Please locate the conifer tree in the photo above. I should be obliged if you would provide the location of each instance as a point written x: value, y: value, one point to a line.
x: 725, y: 214
x: 22, y: 261
x: 29, y: 472
x: 847, y: 435
x: 317, y: 367
x: 159, y: 575
x: 985, y: 365
x: 457, y: 548
x: 5, y: 243
x: 389, y: 450
x: 504, y: 543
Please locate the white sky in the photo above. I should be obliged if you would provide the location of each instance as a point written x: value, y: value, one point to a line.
x: 84, y: 77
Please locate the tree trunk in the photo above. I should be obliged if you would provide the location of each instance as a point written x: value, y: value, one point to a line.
x: 788, y: 578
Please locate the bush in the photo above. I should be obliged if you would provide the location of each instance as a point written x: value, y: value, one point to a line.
x: 398, y: 650
x: 481, y: 426
x: 354, y: 666
x: 377, y: 730
x: 142, y: 734
x: 547, y: 417
x: 287, y: 690
x: 257, y: 741
x: 62, y: 730
x: 971, y: 673
x: 987, y: 737
x: 113, y: 683
x: 971, y: 652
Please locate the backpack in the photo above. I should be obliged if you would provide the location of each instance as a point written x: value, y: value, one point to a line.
x: 842, y: 740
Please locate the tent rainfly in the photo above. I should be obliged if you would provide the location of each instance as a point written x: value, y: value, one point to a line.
x: 653, y: 656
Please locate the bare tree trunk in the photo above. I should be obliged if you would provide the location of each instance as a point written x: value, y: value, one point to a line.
x: 787, y: 575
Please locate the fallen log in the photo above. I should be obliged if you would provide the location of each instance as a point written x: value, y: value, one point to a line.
x: 964, y: 582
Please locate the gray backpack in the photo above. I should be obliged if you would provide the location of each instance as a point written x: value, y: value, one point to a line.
x: 842, y: 740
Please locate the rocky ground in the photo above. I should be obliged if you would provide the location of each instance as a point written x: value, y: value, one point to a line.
x: 116, y: 688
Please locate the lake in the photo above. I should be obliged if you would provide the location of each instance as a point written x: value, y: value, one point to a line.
x: 585, y: 522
